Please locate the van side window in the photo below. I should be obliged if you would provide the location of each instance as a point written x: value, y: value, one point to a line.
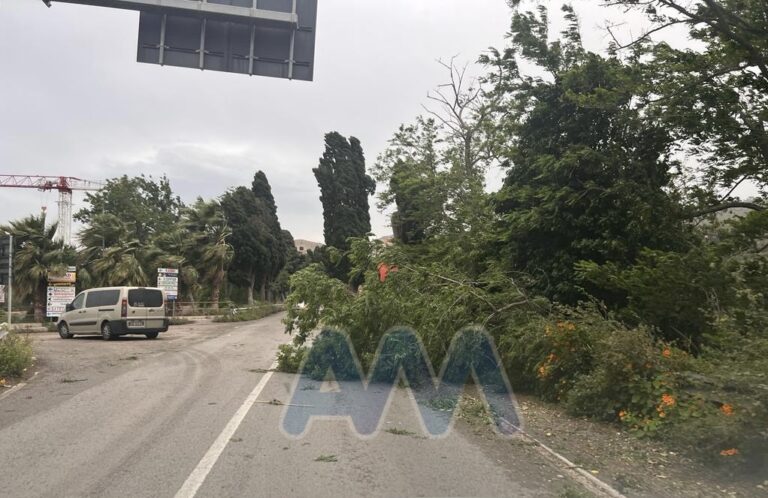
x: 145, y: 298
x: 98, y: 299
x: 78, y: 302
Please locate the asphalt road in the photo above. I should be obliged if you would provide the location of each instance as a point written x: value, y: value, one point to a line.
x: 136, y: 417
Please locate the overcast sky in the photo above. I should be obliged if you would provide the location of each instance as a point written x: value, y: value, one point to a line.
x: 74, y: 102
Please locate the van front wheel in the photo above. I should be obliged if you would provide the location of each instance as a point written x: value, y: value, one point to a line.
x: 106, y: 331
x: 152, y: 335
x: 64, y: 332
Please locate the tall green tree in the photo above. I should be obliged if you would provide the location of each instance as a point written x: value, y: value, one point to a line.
x: 711, y: 94
x: 589, y: 175
x: 294, y: 261
x: 213, y: 253
x: 408, y: 170
x: 112, y: 255
x: 344, y: 190
x: 148, y: 206
x: 246, y: 215
x: 274, y: 240
x: 36, y: 254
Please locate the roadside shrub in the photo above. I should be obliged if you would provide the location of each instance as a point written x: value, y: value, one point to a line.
x: 290, y: 358
x: 729, y: 386
x: 547, y: 354
x: 15, y: 355
x: 330, y: 349
x: 633, y: 379
x: 595, y: 365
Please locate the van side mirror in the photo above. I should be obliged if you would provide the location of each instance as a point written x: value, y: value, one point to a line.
x: 69, y: 307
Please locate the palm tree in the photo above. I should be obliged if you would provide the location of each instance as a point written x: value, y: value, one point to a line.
x: 37, y: 254
x: 112, y: 256
x: 208, y: 228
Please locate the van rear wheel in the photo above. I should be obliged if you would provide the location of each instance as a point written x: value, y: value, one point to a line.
x: 64, y: 332
x: 106, y: 331
x: 152, y: 335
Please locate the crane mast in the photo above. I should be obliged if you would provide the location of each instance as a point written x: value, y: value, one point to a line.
x: 64, y: 184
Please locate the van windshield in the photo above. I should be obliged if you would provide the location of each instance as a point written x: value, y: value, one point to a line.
x: 145, y: 298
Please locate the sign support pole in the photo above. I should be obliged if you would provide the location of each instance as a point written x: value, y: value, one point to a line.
x: 10, y: 280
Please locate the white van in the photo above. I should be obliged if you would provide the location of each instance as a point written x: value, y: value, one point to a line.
x: 115, y: 311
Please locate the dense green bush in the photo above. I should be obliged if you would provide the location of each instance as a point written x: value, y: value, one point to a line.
x: 290, y: 357
x: 331, y: 350
x: 677, y: 293
x: 435, y: 300
x: 15, y: 355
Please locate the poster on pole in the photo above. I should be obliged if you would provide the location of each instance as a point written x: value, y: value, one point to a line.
x: 61, y: 291
x: 69, y: 277
x: 168, y: 281
x: 2, y: 294
x: 58, y: 299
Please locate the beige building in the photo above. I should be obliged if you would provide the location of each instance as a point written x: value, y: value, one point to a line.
x: 306, y: 245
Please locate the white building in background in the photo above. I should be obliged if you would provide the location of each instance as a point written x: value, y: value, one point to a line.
x: 306, y: 245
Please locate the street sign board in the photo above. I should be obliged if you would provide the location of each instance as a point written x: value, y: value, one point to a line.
x: 67, y: 277
x: 4, y: 254
x: 281, y: 46
x: 58, y: 299
x: 168, y: 281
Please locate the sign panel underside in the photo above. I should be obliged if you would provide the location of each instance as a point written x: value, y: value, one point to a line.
x: 281, y: 50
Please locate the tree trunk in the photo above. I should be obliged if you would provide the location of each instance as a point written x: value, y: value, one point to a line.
x: 216, y: 290
x: 263, y: 289
x: 40, y: 301
x: 251, y: 285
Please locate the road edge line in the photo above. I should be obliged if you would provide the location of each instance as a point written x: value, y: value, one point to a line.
x: 200, y: 473
x: 12, y: 390
x: 585, y: 478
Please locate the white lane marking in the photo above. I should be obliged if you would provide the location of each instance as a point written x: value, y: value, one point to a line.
x: 197, y: 477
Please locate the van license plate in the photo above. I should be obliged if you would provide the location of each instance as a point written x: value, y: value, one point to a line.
x: 135, y: 323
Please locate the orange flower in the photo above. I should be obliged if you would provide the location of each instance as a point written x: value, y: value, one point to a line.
x: 622, y: 414
x: 727, y: 409
x: 666, y: 353
x: 730, y: 452
x: 551, y: 358
x: 667, y: 400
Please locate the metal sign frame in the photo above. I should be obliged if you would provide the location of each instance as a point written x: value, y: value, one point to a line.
x: 256, y: 37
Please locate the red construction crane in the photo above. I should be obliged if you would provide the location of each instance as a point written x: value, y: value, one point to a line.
x: 64, y: 184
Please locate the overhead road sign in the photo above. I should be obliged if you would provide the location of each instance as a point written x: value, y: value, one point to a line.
x: 237, y: 10
x: 255, y: 37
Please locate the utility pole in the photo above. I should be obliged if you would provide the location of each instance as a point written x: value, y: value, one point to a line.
x: 10, y: 280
